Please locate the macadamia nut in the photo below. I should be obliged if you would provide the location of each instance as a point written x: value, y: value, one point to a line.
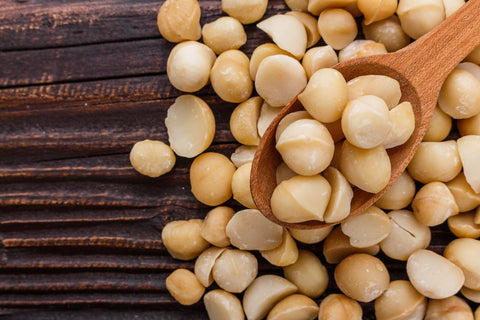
x: 337, y: 27
x: 184, y: 286
x: 152, y: 158
x: 224, y: 34
x: 215, y: 224
x: 179, y: 20
x: 247, y: 11
x: 339, y: 307
x: 400, y: 301
x: 183, y: 239
x: 221, y: 305
x: 235, y: 270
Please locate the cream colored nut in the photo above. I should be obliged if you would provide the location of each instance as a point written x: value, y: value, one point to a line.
x: 179, y: 20
x: 310, y: 24
x: 250, y: 230
x: 469, y: 125
x: 419, y: 17
x: 368, y: 169
x: 301, y: 198
x: 211, y: 178
x: 471, y: 67
x: 261, y: 52
x: 230, y: 76
x: 439, y: 126
x: 433, y: 275
x: 152, y: 158
x: 325, y: 96
x: 451, y: 6
x: 407, y: 235
x: 297, y: 5
x: 183, y: 240
x: 400, y: 301
x: 287, y: 32
x: 451, y: 308
x: 184, y: 287
x: 308, y: 274
x: 267, y: 114
x: 247, y: 11
x: 339, y: 205
x: 381, y: 86
x: 315, y: 7
x: 463, y: 225
x: 284, y: 173
x: 224, y: 34
x: 243, y: 154
x: 337, y: 27
x: 214, y: 225
x: 403, y: 124
x: 264, y: 293
x: 289, y: 119
x: 241, y: 186
x: 399, y: 195
x: 306, y: 146
x: 318, y: 58
x: 339, y: 307
x: 204, y: 265
x: 310, y: 236
x: 435, y: 161
x: 190, y: 125
x: 366, y: 122
x: 337, y: 247
x: 221, y: 305
x: 279, y: 79
x: 469, y: 151
x: 387, y: 31
x: 283, y: 255
x: 474, y: 56
x: 465, y: 197
x: 296, y: 306
x: 376, y: 10
x: 434, y: 204
x: 243, y: 121
x: 465, y: 253
x: 189, y: 64
x: 362, y: 277
x: 360, y: 48
x: 235, y: 270
x: 368, y: 228
x: 470, y: 294
x: 459, y: 96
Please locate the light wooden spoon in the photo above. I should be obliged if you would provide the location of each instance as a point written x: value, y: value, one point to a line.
x: 420, y: 68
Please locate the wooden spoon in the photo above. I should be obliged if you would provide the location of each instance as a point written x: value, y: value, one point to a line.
x: 420, y: 68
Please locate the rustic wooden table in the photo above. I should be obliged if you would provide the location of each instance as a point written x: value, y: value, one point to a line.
x: 80, y: 230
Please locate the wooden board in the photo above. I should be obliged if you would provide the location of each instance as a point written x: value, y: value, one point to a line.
x: 80, y: 230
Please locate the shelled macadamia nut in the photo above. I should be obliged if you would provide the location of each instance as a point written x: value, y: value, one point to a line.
x: 245, y: 11
x: 368, y: 228
x: 249, y: 229
x: 179, y: 20
x: 434, y: 204
x: 261, y: 52
x: 362, y: 277
x: 325, y: 95
x: 184, y: 286
x: 283, y: 172
x: 419, y: 17
x: 465, y: 253
x: 301, y: 198
x: 465, y: 197
x: 306, y: 146
x: 204, y: 265
x: 297, y: 5
x: 308, y: 274
x: 387, y: 31
x: 381, y: 86
x: 310, y: 24
x: 439, y: 126
x: 360, y: 48
x: 295, y: 306
x: 243, y: 121
x: 190, y: 125
x: 463, y: 225
x: 310, y: 236
x: 289, y: 119
x: 152, y: 158
x: 451, y: 308
x: 340, y: 199
x: 283, y: 255
x: 407, y: 235
x: 337, y: 306
x: 189, y: 64
x: 451, y: 6
x: 215, y: 224
x: 279, y: 79
x: 241, y: 186
x: 433, y: 275
x: 183, y: 239
x: 471, y: 294
x: 399, y: 195
x: 337, y: 27
x: 315, y: 7
x: 402, y: 119
x: 221, y: 305
x: 243, y: 154
x: 318, y: 58
x: 211, y: 176
x: 469, y: 151
x: 376, y: 10
x: 469, y: 125
x: 267, y: 114
x: 235, y: 270
x: 224, y: 34
x: 264, y: 292
x: 435, y: 161
x: 400, y: 301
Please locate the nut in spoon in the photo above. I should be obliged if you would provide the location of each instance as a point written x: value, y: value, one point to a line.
x: 420, y: 68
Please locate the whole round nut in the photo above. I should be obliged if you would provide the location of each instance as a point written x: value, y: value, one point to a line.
x: 184, y: 286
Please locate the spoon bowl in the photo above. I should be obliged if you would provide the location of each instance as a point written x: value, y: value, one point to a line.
x: 420, y: 68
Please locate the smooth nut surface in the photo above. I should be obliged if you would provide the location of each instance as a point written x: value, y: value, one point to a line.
x: 399, y: 195
x: 283, y: 255
x: 402, y: 119
x: 439, y: 126
x: 310, y: 24
x: 339, y: 307
x: 451, y: 308
x: 377, y: 85
x: 243, y: 154
x: 337, y: 27
x: 184, y: 286
x: 235, y: 270
x: 245, y: 11
x: 376, y: 10
x: 341, y: 196
x: 183, y: 239
x: 465, y: 253
x: 267, y: 114
x: 469, y: 125
x: 295, y: 306
x: 224, y: 34
x: 463, y: 225
x: 243, y: 121
x: 261, y: 52
x: 469, y: 151
x: 179, y: 20
x: 465, y: 197
x: 221, y: 304
x: 318, y: 58
x: 152, y: 158
x: 214, y: 225
x: 241, y: 186
x: 361, y: 48
x: 204, y: 265
x: 288, y: 120
x: 387, y: 31
x: 400, y: 301
x: 419, y: 17
x: 310, y: 236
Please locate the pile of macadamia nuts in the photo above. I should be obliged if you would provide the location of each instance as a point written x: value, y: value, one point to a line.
x: 338, y: 141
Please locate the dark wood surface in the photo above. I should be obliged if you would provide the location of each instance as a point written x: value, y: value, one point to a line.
x: 80, y: 230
